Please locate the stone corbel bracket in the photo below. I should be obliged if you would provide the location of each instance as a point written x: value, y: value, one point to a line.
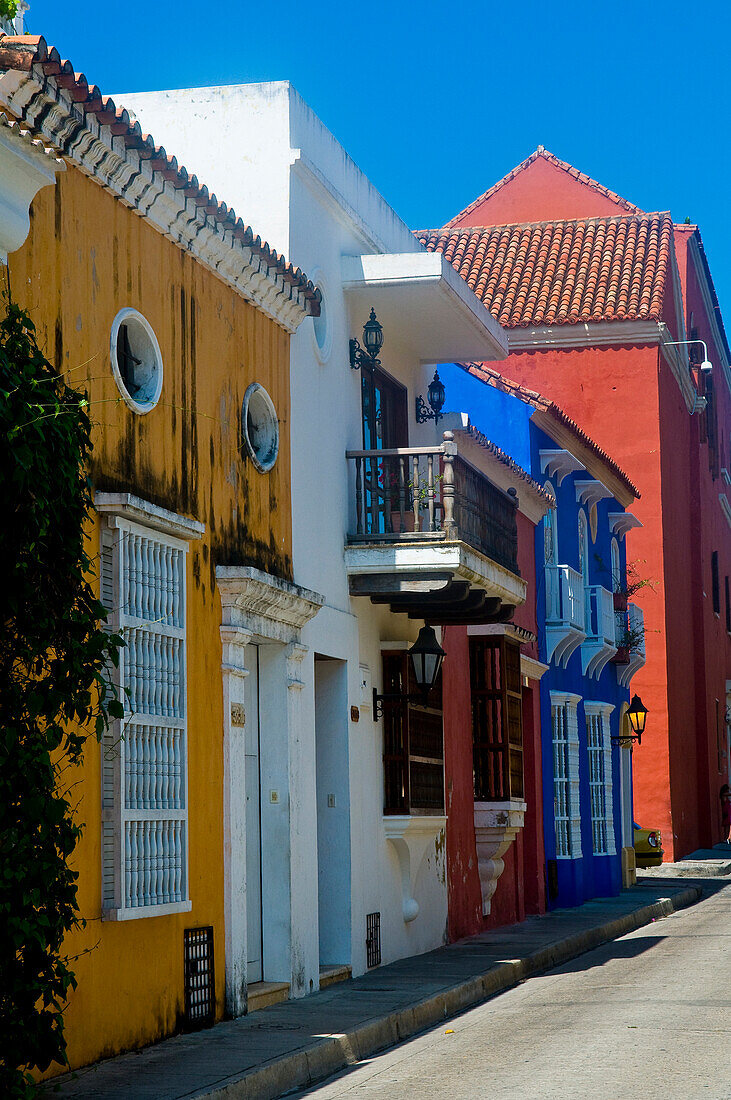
x: 411, y: 837
x: 267, y: 606
x: 496, y: 826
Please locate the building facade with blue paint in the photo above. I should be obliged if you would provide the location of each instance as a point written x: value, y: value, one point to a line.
x: 591, y: 640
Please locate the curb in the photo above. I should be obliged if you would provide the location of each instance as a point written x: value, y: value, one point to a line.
x: 337, y: 1052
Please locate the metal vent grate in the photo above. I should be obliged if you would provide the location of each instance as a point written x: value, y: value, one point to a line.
x: 200, y: 985
x: 373, y: 939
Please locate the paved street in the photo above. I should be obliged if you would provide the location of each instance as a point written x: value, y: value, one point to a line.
x: 646, y: 1016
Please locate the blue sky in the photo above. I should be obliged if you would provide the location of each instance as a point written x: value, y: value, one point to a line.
x: 436, y: 101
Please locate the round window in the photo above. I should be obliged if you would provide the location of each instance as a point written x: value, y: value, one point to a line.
x: 260, y: 427
x: 136, y: 360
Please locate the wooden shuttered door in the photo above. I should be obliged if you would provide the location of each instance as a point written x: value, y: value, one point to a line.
x: 497, y: 719
x: 413, y: 743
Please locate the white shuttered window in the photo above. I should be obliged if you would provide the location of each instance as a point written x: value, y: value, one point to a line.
x: 598, y: 732
x: 567, y: 807
x: 144, y: 757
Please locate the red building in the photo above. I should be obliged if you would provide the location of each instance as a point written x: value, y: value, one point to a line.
x: 594, y: 293
x: 474, y: 850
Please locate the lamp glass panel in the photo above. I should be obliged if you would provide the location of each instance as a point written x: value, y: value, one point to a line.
x: 637, y: 715
x: 436, y: 395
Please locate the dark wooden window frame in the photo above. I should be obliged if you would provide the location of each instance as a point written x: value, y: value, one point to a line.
x: 497, y: 718
x: 413, y: 743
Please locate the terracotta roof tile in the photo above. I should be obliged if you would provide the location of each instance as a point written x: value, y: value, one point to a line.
x: 563, y: 272
x: 540, y: 152
x: 25, y: 52
x: 498, y: 453
x: 491, y: 377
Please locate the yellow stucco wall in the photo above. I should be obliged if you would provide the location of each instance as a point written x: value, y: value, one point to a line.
x: 87, y: 256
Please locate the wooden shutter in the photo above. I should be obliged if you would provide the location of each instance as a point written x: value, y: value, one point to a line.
x: 497, y: 718
x: 413, y: 743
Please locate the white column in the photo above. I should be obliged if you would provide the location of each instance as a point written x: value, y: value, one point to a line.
x: 304, y: 933
x: 234, y: 641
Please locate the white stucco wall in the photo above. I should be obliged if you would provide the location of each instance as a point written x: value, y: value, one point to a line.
x: 263, y: 151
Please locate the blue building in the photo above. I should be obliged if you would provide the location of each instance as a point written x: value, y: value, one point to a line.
x: 591, y: 639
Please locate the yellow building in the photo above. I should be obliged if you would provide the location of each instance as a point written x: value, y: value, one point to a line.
x: 176, y: 318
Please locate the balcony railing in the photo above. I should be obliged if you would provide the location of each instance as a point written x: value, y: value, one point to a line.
x: 432, y: 493
x: 564, y: 596
x: 564, y: 612
x: 600, y: 644
x: 600, y: 620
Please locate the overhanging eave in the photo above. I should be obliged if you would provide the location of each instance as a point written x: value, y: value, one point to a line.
x: 425, y: 304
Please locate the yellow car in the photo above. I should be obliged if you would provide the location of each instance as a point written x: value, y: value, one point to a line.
x: 648, y: 847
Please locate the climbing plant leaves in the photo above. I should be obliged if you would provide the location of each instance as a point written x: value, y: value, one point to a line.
x: 55, y: 692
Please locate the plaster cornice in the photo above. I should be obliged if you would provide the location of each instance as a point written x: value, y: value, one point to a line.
x: 531, y: 668
x: 591, y: 707
x: 91, y: 146
x: 263, y: 604
x: 137, y: 510
x: 516, y: 633
x: 604, y: 334
x: 585, y: 334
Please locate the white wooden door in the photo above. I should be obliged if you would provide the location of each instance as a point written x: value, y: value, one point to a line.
x: 253, y: 824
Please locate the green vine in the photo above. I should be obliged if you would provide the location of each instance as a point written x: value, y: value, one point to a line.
x: 8, y: 9
x: 54, y: 693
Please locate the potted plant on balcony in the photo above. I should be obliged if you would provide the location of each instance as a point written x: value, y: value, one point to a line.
x: 633, y: 582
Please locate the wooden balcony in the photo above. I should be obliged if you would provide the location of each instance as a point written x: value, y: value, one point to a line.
x: 425, y: 521
x: 565, y: 614
x: 600, y: 644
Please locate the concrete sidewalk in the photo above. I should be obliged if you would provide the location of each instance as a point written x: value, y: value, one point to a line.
x: 705, y: 863
x: 299, y: 1042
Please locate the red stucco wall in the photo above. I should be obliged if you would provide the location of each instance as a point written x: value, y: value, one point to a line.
x: 520, y: 888
x: 463, y: 883
x: 541, y: 192
x: 627, y: 400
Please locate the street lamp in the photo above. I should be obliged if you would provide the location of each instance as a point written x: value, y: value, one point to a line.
x: 435, y: 395
x: 637, y: 715
x: 373, y: 340
x: 426, y: 659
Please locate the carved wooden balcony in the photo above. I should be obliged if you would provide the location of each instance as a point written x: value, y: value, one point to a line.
x: 428, y: 530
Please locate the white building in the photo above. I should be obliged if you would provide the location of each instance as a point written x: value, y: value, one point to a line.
x: 317, y: 797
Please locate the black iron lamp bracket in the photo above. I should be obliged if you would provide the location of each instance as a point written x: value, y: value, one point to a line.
x: 627, y: 739
x: 360, y: 357
x: 424, y: 413
x: 435, y: 396
x: 420, y: 697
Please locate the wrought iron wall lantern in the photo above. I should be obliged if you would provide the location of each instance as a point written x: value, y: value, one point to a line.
x: 426, y: 658
x: 373, y: 340
x: 435, y: 395
x: 637, y: 716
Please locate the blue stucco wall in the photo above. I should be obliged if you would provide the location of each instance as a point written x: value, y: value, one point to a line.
x: 506, y: 420
x: 590, y: 875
